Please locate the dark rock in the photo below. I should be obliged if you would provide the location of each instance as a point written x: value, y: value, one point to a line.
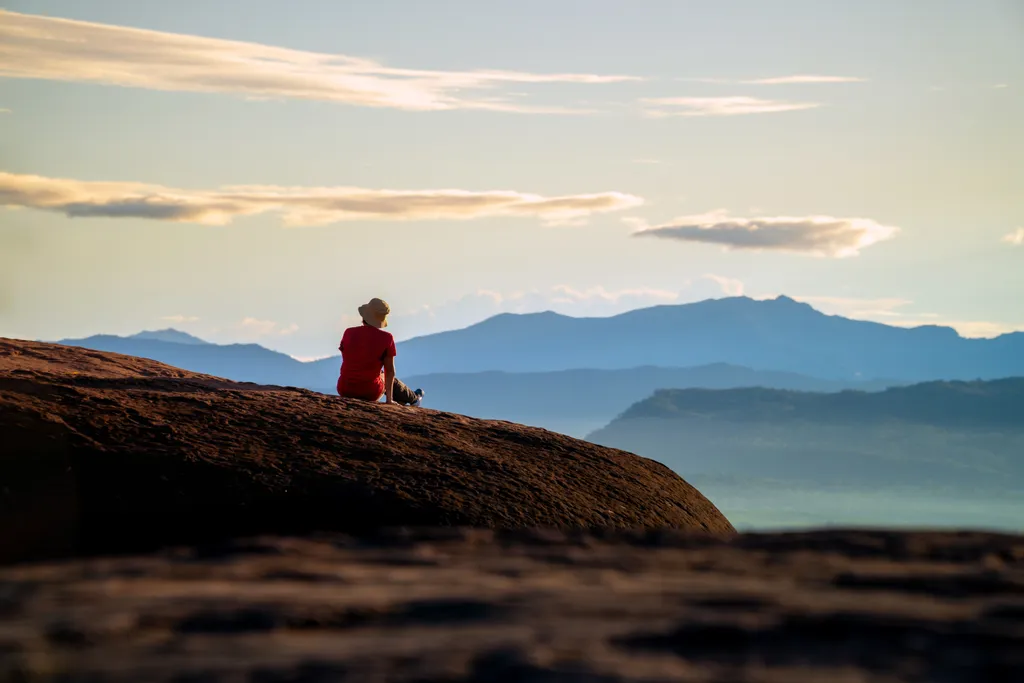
x: 104, y: 453
x: 498, y: 606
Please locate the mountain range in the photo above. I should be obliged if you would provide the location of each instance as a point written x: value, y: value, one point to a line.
x: 997, y: 404
x: 576, y: 374
x: 240, y: 362
x: 574, y: 401
x: 930, y: 453
x: 778, y: 334
x: 578, y: 401
x: 807, y: 402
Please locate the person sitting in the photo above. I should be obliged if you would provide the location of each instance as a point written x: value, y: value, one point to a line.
x: 368, y: 360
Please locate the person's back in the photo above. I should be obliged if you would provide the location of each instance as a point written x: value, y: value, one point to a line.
x: 364, y: 350
x: 368, y: 360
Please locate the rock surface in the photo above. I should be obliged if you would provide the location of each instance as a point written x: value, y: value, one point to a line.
x: 108, y: 453
x: 475, y: 605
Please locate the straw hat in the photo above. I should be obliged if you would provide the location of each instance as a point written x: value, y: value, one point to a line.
x: 375, y: 312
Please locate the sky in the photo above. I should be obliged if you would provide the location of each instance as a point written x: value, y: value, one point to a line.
x: 252, y: 171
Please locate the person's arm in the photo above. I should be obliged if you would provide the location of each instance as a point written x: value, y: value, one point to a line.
x: 389, y: 378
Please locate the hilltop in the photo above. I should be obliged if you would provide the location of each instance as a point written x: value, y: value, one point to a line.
x: 111, y: 453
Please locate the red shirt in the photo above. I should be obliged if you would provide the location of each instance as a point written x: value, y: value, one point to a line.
x: 363, y: 350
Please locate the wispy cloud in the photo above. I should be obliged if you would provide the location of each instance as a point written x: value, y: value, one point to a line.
x: 798, y: 79
x: 310, y: 359
x: 719, y: 106
x: 878, y: 308
x: 180, y: 319
x: 812, y: 235
x: 266, y: 328
x: 1001, y: 86
x: 730, y: 286
x: 804, y: 79
x: 5, y: 111
x: 41, y: 47
x: 298, y: 206
x: 892, y: 311
x: 972, y: 329
x: 1016, y: 238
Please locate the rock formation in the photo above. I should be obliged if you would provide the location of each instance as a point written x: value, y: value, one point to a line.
x: 108, y: 453
x: 637, y: 577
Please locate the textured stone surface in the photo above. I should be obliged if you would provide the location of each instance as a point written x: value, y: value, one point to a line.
x: 110, y: 453
x: 476, y: 605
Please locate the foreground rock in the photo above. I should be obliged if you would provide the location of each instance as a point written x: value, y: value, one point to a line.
x: 463, y: 606
x: 108, y: 453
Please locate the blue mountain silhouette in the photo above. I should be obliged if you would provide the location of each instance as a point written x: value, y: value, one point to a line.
x: 778, y: 335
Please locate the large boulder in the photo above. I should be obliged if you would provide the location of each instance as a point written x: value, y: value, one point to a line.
x: 102, y: 453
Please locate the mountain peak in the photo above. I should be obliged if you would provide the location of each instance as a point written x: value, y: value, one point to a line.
x: 783, y: 300
x: 514, y: 318
x: 168, y: 335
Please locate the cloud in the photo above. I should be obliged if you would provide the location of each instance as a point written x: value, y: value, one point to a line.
x: 882, y: 308
x: 180, y: 319
x: 50, y: 48
x: 1016, y: 238
x: 730, y: 285
x: 310, y: 359
x: 599, y: 296
x: 660, y: 107
x: 717, y: 81
x: 975, y: 329
x: 804, y: 79
x: 813, y: 235
x: 1001, y: 86
x: 972, y: 329
x: 266, y: 328
x: 798, y: 79
x: 6, y: 111
x: 298, y: 206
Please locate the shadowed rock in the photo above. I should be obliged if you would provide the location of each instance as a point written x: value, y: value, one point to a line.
x: 108, y: 453
x: 472, y: 605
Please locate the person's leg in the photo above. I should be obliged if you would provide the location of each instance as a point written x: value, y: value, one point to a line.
x: 402, y: 393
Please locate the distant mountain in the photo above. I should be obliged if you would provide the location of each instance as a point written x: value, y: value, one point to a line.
x: 574, y: 402
x: 779, y: 334
x: 240, y: 362
x: 169, y: 335
x: 579, y: 401
x: 982, y: 405
x: 955, y: 436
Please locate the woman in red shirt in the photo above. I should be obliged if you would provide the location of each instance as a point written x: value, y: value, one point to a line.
x: 368, y: 360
